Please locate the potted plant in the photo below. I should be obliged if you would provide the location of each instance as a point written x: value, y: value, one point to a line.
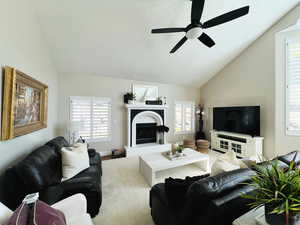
x: 278, y: 190
x: 180, y: 149
x: 129, y: 98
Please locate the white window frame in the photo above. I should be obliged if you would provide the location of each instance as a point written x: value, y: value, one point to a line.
x: 287, y: 106
x: 92, y: 99
x: 189, y: 103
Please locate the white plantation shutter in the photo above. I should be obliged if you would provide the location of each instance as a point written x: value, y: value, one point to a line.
x: 94, y: 115
x: 184, y: 117
x: 293, y: 87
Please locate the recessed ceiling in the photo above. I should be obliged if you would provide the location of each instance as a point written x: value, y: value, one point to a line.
x: 113, y: 38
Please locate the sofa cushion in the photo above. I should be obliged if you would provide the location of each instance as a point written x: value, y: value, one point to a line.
x: 176, y: 190
x: 86, y: 179
x: 40, y: 169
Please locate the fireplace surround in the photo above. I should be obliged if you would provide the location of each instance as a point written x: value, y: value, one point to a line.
x: 142, y: 136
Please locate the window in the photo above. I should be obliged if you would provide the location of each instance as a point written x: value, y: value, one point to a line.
x: 184, y: 117
x: 293, y: 87
x: 94, y: 116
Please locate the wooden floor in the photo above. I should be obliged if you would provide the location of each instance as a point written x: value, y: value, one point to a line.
x: 108, y: 157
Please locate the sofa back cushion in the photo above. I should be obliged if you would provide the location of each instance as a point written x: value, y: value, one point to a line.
x: 288, y: 158
x: 40, y: 169
x: 214, y: 186
x: 58, y: 143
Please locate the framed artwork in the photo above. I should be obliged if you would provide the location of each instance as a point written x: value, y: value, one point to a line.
x: 25, y: 104
x: 145, y: 92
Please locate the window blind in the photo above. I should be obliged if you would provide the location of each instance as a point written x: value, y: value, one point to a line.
x: 184, y: 117
x: 293, y: 87
x: 94, y: 115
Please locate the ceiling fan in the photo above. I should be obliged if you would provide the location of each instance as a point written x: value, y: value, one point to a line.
x: 195, y: 29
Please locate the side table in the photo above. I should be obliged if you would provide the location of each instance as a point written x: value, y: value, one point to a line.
x: 250, y: 218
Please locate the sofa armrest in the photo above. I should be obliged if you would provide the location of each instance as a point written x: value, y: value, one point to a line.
x: 75, y: 205
x: 158, y: 191
x: 223, y: 205
x: 92, y: 152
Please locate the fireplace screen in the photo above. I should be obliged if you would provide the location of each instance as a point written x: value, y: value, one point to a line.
x: 146, y: 133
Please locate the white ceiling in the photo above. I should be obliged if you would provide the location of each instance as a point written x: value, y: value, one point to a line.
x: 112, y: 38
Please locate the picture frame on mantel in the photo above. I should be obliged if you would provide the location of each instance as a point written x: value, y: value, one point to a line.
x: 145, y: 92
x: 25, y: 104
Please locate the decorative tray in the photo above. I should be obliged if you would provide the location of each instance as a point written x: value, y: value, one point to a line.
x: 172, y: 157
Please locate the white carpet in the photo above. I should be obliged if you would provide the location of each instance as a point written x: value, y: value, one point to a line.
x: 126, y: 193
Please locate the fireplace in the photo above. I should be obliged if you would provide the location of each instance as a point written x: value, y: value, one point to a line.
x: 146, y: 133
x: 142, y: 135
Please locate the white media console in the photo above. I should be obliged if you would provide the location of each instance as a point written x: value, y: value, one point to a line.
x: 245, y: 146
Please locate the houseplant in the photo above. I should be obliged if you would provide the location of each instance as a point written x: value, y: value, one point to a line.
x: 278, y: 190
x: 129, y: 98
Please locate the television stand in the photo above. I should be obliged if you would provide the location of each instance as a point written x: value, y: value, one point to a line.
x: 245, y: 146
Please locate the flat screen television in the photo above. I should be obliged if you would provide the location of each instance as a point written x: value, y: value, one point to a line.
x: 243, y: 120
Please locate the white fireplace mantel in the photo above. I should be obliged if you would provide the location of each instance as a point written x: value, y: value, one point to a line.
x: 144, y: 106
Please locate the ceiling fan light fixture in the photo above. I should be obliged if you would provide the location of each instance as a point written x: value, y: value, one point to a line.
x: 194, y: 33
x: 195, y: 29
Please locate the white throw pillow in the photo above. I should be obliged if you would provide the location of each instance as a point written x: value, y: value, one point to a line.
x: 221, y: 166
x: 74, y: 160
x: 78, y: 147
x: 5, y: 214
x: 227, y: 162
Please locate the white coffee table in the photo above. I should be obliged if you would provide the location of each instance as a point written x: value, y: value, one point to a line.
x: 152, y: 163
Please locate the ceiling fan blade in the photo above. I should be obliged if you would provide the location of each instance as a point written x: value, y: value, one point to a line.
x: 179, y: 44
x: 197, y: 10
x: 205, y: 39
x: 167, y: 30
x: 226, y: 17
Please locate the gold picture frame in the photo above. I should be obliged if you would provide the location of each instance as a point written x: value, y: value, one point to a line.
x: 25, y: 104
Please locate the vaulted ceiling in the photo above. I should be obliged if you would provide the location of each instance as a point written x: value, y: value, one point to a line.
x: 113, y: 38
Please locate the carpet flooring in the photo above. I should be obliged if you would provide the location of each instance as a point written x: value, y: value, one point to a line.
x: 126, y: 193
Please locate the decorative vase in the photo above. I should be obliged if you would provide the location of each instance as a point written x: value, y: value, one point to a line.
x: 131, y: 102
x: 280, y: 219
x: 161, y: 141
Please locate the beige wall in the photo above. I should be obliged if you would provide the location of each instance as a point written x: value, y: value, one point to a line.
x: 284, y: 143
x: 23, y: 47
x: 100, y: 86
x: 250, y: 80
